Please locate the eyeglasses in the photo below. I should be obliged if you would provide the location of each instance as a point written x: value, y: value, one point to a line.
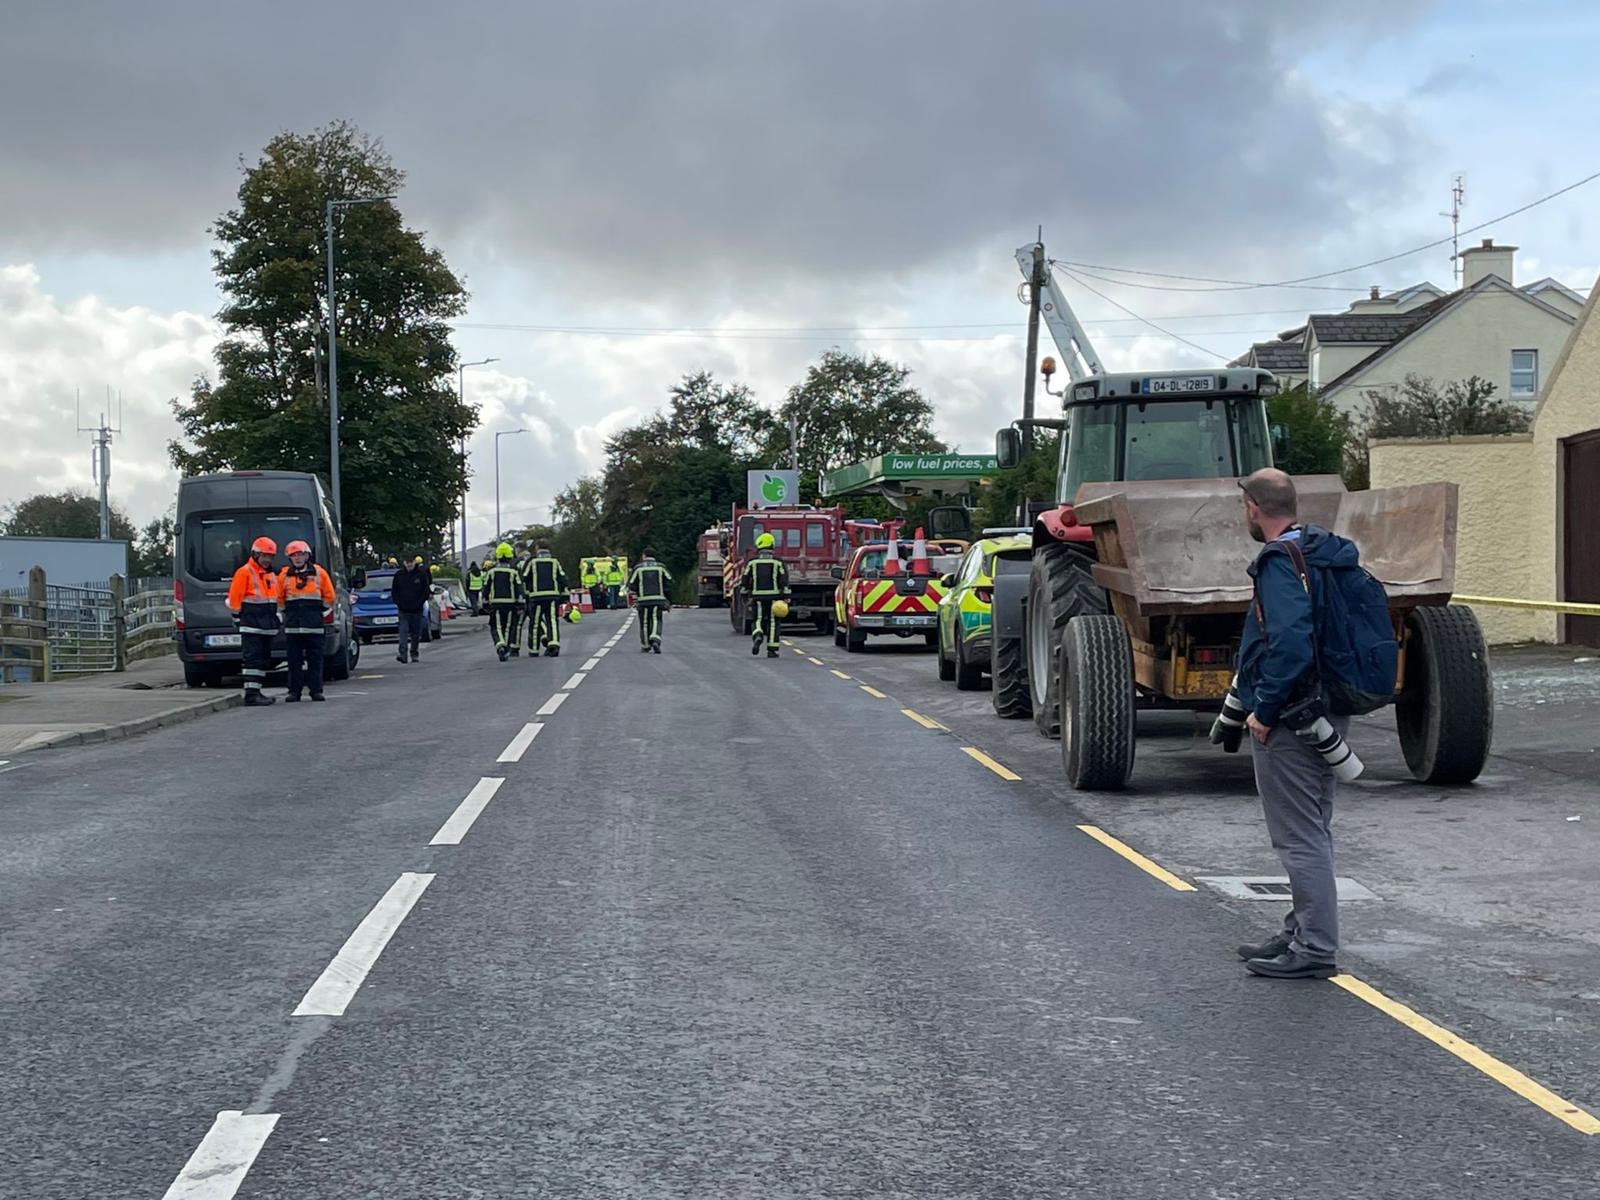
x: 1247, y: 494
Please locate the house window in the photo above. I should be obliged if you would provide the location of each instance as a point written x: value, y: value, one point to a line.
x: 1524, y: 374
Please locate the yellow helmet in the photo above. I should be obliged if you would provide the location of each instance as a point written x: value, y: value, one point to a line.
x: 780, y: 609
x: 504, y: 550
x: 765, y: 541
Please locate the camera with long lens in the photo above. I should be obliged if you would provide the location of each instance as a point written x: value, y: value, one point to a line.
x: 1227, y: 730
x: 1309, y: 721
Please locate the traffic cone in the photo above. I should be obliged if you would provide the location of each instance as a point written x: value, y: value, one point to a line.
x: 891, y: 559
x: 919, y: 555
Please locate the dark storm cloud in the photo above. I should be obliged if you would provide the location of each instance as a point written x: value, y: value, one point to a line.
x: 697, y: 142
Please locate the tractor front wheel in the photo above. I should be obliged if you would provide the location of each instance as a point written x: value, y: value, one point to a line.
x: 1445, y: 713
x: 1060, y: 588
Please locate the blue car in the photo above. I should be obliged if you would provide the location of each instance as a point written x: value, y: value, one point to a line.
x: 375, y: 616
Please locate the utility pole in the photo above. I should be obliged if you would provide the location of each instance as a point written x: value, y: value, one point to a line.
x: 100, y: 459
x: 333, y: 357
x: 1035, y: 290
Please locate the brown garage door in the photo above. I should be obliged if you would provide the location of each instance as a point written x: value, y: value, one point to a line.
x: 1580, y: 539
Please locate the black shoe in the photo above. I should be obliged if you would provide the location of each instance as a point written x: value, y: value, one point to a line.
x: 644, y: 649
x: 772, y: 652
x: 257, y: 700
x: 755, y: 646
x: 514, y: 652
x: 1270, y: 948
x: 502, y: 652
x: 655, y: 645
x: 414, y: 657
x: 292, y: 698
x: 318, y: 697
x: 1292, y: 965
x: 552, y: 651
x: 401, y: 657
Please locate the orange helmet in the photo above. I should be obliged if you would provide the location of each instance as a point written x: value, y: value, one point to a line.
x: 298, y: 547
x: 263, y: 545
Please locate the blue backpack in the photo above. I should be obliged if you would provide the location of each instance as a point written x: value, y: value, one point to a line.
x: 1353, y: 643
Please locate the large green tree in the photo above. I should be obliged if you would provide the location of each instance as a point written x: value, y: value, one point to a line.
x: 68, y: 514
x: 850, y: 407
x: 402, y: 476
x: 1421, y: 407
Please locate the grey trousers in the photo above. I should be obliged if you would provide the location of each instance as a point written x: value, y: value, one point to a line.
x: 1296, y: 789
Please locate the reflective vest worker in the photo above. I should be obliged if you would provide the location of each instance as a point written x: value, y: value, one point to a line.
x: 765, y: 580
x: 502, y: 592
x: 616, y: 580
x: 253, y: 601
x: 474, y: 587
x: 586, y: 575
x: 648, y: 587
x: 599, y: 592
x: 305, y: 600
x: 546, y: 581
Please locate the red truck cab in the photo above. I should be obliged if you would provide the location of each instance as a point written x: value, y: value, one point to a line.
x: 810, y: 541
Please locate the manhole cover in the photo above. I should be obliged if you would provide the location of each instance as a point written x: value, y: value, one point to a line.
x: 1276, y: 887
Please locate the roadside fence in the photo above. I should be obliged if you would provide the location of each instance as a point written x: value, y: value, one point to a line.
x: 50, y: 630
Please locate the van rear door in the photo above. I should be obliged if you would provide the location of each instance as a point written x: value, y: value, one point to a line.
x: 214, y: 546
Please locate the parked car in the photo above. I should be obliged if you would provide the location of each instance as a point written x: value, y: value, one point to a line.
x: 375, y: 614
x: 965, y: 624
x: 218, y: 518
x: 452, y: 598
x: 869, y: 603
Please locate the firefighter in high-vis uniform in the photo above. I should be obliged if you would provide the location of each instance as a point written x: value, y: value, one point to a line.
x: 502, y: 592
x: 306, y: 601
x: 616, y: 580
x: 648, y: 587
x: 766, y: 581
x: 253, y: 601
x: 545, y: 581
x: 519, y: 561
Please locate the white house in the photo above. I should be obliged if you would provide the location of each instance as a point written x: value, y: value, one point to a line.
x: 1491, y: 328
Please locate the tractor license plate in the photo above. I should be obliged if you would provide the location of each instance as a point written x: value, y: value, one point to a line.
x: 223, y: 639
x: 1179, y: 383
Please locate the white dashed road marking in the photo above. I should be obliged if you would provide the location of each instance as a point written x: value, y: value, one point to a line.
x: 548, y: 709
x: 453, y: 830
x: 219, y: 1163
x: 592, y: 663
x: 519, y: 744
x: 331, y: 994
x: 577, y: 678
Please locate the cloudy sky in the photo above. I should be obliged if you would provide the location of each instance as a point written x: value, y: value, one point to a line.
x: 637, y: 190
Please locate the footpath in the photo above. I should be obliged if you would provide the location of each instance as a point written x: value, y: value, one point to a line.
x: 99, y: 708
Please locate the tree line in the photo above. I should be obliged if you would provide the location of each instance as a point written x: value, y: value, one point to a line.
x: 672, y: 475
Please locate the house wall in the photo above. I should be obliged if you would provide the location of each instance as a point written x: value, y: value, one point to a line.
x: 1559, y: 300
x: 1494, y: 554
x: 1330, y: 362
x: 1475, y: 337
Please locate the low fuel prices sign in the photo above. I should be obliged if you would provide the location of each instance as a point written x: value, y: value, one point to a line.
x: 772, y: 489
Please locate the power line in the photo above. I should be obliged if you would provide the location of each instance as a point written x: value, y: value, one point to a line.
x: 1240, y: 285
x: 688, y: 336
x: 1164, y: 332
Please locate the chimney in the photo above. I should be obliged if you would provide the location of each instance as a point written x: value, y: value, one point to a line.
x: 1479, y: 262
x: 1375, y: 292
x: 1376, y: 301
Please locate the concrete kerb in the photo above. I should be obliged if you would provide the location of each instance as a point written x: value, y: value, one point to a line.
x: 127, y: 729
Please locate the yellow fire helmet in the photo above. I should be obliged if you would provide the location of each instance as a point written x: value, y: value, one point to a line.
x: 780, y: 609
x: 765, y: 542
x: 504, y: 550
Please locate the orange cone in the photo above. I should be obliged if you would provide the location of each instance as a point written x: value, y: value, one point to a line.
x: 891, y: 559
x: 919, y: 555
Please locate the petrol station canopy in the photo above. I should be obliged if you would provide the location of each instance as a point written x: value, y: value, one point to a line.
x: 897, y: 476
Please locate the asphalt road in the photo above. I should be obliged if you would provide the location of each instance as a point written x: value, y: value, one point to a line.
x: 728, y: 927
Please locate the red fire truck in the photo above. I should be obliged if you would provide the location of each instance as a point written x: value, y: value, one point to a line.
x: 810, y: 541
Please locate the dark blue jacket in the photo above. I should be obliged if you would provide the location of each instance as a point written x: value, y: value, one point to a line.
x: 1273, y: 662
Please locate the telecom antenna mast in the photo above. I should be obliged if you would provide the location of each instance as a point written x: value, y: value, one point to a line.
x: 100, y: 456
x: 1458, y: 201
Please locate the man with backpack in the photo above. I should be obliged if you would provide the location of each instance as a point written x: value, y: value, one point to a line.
x: 1317, y: 647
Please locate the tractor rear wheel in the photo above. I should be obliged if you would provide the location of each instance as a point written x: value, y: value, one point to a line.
x: 1445, y: 714
x: 1097, y: 728
x: 1060, y: 588
x: 1010, y: 679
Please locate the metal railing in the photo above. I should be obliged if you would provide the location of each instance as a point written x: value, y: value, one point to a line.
x: 84, y: 626
x: 24, y: 629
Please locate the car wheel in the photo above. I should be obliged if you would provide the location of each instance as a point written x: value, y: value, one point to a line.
x: 969, y: 678
x: 855, y: 640
x: 947, y: 669
x: 838, y: 635
x: 196, y: 674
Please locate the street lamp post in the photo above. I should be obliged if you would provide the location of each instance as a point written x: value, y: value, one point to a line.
x: 498, y: 435
x: 333, y: 359
x: 461, y: 399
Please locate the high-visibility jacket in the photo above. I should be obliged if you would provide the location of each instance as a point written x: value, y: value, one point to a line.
x: 614, y: 574
x: 544, y: 577
x: 305, y: 602
x: 648, y: 583
x: 586, y: 574
x: 474, y: 580
x: 766, y: 577
x: 503, y: 584
x: 253, y: 599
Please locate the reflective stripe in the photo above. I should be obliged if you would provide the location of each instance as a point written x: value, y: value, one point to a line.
x: 314, y: 630
x: 260, y: 600
x: 261, y: 632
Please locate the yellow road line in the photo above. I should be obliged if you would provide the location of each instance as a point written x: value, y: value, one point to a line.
x: 1508, y: 1076
x: 817, y: 661
x: 841, y: 674
x: 925, y: 722
x: 1137, y: 859
x: 1560, y: 606
x: 874, y: 692
x: 980, y: 756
